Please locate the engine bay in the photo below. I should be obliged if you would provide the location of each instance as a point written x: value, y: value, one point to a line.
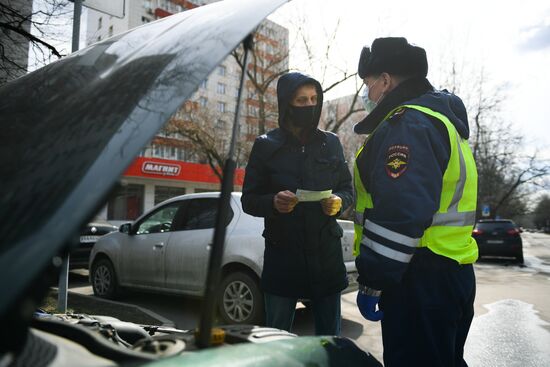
x: 92, y: 340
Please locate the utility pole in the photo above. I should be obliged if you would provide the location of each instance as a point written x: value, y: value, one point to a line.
x: 64, y: 274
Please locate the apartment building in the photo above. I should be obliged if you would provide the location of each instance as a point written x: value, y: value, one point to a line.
x: 336, y: 110
x: 171, y: 164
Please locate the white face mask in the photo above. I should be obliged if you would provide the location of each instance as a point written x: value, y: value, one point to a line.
x: 368, y: 103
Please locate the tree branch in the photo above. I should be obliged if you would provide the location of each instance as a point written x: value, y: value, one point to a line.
x: 31, y: 38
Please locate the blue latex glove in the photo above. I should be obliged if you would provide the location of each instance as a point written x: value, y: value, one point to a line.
x: 367, y: 306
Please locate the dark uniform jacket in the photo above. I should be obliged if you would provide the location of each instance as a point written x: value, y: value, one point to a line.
x: 303, y: 253
x: 405, y: 198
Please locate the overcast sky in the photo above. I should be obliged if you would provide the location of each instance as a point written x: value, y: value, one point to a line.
x: 509, y: 41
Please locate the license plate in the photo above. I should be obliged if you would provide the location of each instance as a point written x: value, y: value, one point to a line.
x: 495, y: 242
x: 88, y: 239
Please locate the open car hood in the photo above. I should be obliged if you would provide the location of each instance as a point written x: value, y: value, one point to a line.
x: 70, y: 129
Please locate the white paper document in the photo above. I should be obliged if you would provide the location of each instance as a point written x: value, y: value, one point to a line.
x: 308, y: 195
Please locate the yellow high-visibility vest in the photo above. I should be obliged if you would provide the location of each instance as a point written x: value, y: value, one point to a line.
x: 450, y: 233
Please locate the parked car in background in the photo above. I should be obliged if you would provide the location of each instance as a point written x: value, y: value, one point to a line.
x: 167, y: 250
x: 80, y: 256
x: 498, y: 237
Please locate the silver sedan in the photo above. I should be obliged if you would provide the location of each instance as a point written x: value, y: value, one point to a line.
x: 167, y: 250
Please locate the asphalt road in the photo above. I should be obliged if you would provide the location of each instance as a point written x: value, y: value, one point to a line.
x: 511, y: 326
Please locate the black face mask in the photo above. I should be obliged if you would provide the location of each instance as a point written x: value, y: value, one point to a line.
x: 302, y: 117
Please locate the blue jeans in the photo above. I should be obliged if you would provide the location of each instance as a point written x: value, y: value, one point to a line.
x: 279, y: 313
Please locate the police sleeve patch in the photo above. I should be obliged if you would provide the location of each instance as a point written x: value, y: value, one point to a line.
x: 397, y: 160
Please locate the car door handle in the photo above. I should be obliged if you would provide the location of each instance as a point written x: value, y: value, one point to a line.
x: 159, y: 245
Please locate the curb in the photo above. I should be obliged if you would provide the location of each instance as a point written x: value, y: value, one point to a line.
x: 165, y: 322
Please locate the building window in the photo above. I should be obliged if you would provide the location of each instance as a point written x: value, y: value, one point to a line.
x: 99, y: 22
x: 221, y: 107
x: 221, y: 88
x: 147, y: 4
x: 203, y: 84
x: 203, y: 101
x: 145, y: 152
x: 110, y: 31
x: 189, y: 156
x: 220, y: 124
x: 221, y: 70
x: 251, y: 129
x: 157, y: 150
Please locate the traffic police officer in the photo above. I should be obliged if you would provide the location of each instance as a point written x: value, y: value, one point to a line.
x: 416, y: 188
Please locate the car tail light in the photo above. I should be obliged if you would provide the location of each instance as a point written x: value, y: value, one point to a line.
x: 477, y: 232
x: 512, y: 231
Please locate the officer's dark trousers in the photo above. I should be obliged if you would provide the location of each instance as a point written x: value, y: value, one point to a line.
x: 428, y: 315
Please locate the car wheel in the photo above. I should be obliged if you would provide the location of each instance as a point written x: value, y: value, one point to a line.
x: 240, y: 300
x: 104, y: 281
x: 519, y: 258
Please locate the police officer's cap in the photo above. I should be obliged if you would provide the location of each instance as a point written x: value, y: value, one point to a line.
x: 393, y: 55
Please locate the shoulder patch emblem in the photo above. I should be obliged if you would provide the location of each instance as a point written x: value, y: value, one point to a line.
x: 397, y: 160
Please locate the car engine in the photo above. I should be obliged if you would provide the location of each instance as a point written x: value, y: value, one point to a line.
x: 91, y: 340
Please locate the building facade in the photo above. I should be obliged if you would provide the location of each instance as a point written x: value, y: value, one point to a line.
x: 171, y: 164
x: 338, y: 109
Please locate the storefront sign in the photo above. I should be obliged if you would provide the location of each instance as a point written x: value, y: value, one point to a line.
x: 162, y: 169
x: 165, y: 169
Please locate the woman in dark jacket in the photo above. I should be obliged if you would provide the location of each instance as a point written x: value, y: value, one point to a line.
x: 303, y: 253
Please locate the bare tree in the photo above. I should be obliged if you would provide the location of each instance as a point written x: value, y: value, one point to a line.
x: 30, y: 28
x: 542, y: 213
x: 334, y: 123
x: 507, y: 170
x: 201, y: 131
x: 267, y: 61
x: 319, y: 56
x: 263, y: 69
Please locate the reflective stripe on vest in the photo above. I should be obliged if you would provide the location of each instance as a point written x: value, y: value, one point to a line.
x: 362, y: 200
x: 450, y: 232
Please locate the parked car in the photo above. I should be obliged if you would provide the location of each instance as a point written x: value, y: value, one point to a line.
x: 80, y: 256
x: 167, y: 250
x: 498, y: 237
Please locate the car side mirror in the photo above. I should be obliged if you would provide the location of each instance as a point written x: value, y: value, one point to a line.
x: 125, y: 228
